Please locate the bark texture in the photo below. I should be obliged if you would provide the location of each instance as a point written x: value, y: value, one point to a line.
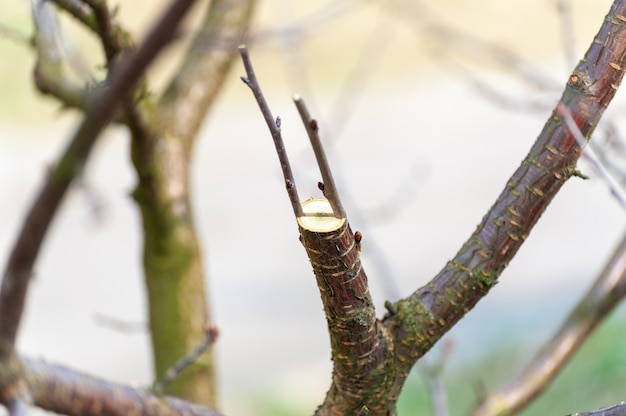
x: 373, y: 358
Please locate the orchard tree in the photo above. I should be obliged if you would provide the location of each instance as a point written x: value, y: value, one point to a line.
x: 372, y: 353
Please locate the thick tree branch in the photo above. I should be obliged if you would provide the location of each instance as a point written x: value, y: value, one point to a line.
x: 163, y: 136
x: 18, y: 270
x: 361, y: 348
x: 607, y: 292
x: 62, y: 390
x: 422, y: 318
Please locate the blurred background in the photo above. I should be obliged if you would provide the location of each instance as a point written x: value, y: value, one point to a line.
x: 426, y: 108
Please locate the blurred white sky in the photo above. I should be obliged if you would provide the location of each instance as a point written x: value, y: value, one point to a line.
x: 412, y: 126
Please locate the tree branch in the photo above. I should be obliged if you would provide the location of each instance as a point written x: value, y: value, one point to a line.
x: 49, y: 73
x: 18, y: 270
x: 427, y: 314
x: 274, y: 127
x: 361, y: 348
x: 95, y: 15
x: 607, y: 292
x: 62, y: 390
x: 163, y: 136
x: 373, y: 358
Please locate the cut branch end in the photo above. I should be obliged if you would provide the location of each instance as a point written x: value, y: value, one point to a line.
x: 318, y: 216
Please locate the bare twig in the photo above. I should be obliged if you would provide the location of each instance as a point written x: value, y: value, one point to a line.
x: 170, y: 375
x: 18, y: 270
x: 590, y: 155
x: 274, y: 127
x: 434, y: 377
x: 312, y: 129
x: 606, y: 292
x: 120, y: 325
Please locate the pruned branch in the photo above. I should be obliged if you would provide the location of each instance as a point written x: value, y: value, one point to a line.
x: 606, y: 292
x: 95, y: 15
x: 191, y: 93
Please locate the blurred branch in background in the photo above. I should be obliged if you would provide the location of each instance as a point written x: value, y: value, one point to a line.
x: 593, y: 307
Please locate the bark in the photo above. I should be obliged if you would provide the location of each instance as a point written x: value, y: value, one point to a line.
x: 595, y: 305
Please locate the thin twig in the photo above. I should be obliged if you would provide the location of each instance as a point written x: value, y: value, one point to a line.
x: 211, y: 334
x: 274, y: 127
x: 25, y: 250
x: 590, y: 156
x: 17, y: 408
x: 607, y: 291
x: 120, y: 325
x: 312, y: 129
